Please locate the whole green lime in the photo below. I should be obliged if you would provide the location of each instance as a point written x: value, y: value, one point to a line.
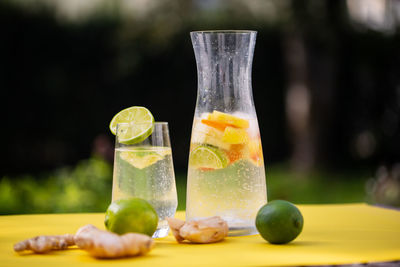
x: 131, y: 215
x: 279, y: 222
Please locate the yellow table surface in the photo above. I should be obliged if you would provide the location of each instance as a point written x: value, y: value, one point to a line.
x: 332, y: 234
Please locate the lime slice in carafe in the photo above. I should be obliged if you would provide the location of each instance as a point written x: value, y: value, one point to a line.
x: 208, y: 157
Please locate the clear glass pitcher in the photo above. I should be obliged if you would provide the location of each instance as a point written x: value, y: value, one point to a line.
x: 226, y: 175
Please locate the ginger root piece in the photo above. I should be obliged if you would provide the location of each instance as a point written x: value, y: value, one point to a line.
x: 209, y: 230
x: 45, y: 243
x: 175, y: 225
x: 104, y: 244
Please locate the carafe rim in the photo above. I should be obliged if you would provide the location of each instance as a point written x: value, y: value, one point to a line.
x: 224, y: 31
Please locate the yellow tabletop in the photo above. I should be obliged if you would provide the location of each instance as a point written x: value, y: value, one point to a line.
x: 332, y: 234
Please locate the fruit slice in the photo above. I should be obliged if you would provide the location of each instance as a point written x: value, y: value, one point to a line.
x: 203, y: 134
x: 229, y: 119
x: 235, y: 153
x: 200, y: 138
x: 208, y: 157
x: 140, y: 124
x: 140, y: 160
x: 255, y: 152
x: 217, y: 125
x: 235, y: 135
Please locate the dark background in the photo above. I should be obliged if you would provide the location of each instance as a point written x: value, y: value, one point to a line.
x: 326, y: 79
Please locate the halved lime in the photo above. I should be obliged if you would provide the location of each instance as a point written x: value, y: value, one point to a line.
x: 205, y: 156
x: 140, y: 124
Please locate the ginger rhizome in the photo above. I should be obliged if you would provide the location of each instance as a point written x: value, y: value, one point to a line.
x: 45, y: 243
x: 99, y: 243
x: 209, y: 230
x: 104, y: 244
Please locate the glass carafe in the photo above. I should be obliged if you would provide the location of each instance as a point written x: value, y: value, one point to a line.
x: 226, y: 175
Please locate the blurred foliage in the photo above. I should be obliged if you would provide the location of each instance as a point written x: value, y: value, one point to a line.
x: 384, y: 188
x: 317, y: 186
x: 85, y: 187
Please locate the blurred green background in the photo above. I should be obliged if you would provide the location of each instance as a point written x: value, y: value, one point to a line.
x: 326, y: 85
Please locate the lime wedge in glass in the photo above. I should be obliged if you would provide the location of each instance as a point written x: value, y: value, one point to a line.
x: 139, y: 125
x: 208, y: 157
x: 141, y: 160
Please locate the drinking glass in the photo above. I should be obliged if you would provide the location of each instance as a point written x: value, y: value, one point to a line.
x: 145, y: 170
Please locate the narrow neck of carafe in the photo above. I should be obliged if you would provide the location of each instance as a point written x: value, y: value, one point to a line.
x: 224, y: 61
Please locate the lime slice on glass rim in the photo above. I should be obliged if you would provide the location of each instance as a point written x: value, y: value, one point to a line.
x: 139, y: 124
x: 208, y: 157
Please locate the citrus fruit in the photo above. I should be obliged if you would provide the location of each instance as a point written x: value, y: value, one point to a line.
x: 234, y: 135
x: 205, y: 156
x: 139, y: 125
x: 203, y: 134
x: 131, y: 215
x: 279, y: 222
x: 228, y: 119
x: 140, y: 159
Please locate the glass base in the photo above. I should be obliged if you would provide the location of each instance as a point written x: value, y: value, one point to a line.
x: 242, y: 231
x: 161, y: 232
